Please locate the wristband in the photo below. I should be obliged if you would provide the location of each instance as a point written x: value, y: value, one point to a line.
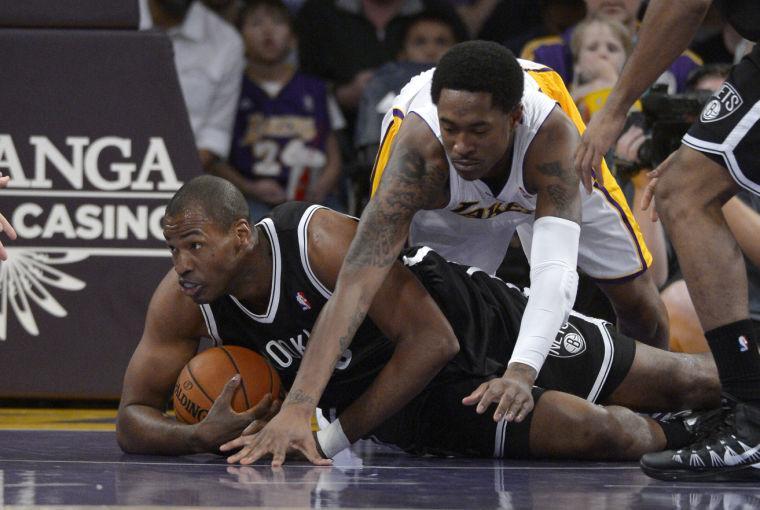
x: 332, y: 439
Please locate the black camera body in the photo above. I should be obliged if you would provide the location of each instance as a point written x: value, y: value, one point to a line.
x: 667, y: 117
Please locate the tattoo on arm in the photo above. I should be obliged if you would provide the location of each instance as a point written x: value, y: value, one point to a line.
x: 298, y: 397
x: 559, y: 196
x: 560, y: 187
x: 410, y: 184
x: 356, y: 322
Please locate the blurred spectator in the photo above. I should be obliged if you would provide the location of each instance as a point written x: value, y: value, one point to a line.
x: 426, y: 38
x: 229, y: 10
x: 515, y: 22
x: 208, y: 54
x: 344, y: 41
x: 555, y: 51
x: 600, y: 47
x: 283, y: 146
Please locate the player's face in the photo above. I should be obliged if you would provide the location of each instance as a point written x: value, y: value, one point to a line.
x: 267, y: 35
x: 476, y: 135
x: 624, y: 11
x: 427, y: 41
x: 599, y: 43
x: 202, y: 254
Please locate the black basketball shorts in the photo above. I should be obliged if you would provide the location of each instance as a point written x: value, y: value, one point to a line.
x: 728, y: 130
x: 588, y: 359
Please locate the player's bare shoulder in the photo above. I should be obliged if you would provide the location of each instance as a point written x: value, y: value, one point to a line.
x: 172, y: 312
x: 418, y: 166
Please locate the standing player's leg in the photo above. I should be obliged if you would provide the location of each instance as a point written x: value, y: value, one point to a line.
x: 690, y: 194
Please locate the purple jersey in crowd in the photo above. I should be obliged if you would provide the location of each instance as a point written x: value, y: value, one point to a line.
x: 554, y: 52
x: 282, y: 137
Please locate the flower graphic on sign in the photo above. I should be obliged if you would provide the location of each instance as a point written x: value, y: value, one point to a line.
x: 26, y: 279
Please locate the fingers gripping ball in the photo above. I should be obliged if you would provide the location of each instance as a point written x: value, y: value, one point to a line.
x: 203, y: 378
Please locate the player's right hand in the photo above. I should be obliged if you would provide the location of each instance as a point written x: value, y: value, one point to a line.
x: 602, y: 131
x: 222, y: 423
x: 512, y: 392
x: 289, y: 430
x: 5, y: 225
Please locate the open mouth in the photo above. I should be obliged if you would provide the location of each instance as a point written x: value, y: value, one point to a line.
x: 189, y: 288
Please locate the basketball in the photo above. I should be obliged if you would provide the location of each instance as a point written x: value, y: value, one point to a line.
x: 203, y: 378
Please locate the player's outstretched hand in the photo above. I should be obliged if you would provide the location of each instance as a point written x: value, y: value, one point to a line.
x: 288, y: 432
x: 222, y: 422
x: 601, y: 133
x: 512, y: 392
x: 5, y: 225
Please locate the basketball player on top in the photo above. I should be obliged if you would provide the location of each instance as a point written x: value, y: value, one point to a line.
x: 717, y: 158
x: 473, y: 150
x: 436, y: 333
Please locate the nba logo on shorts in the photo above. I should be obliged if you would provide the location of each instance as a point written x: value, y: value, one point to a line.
x: 301, y: 298
x: 743, y: 343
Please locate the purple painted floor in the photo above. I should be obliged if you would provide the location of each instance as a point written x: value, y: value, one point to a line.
x: 57, y: 468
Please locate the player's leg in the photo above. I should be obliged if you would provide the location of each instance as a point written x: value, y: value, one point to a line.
x: 719, y: 151
x: 639, y: 309
x: 566, y: 426
x: 667, y: 381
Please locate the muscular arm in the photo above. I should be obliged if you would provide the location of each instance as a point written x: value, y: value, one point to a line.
x: 667, y: 29
x: 553, y: 253
x: 173, y: 328
x: 404, y: 312
x: 414, y: 179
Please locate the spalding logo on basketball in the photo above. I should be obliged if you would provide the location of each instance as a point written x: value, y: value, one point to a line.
x: 568, y: 343
x: 725, y: 102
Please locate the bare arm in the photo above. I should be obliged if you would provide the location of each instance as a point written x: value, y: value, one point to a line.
x: 667, y: 29
x: 173, y: 328
x: 404, y: 312
x: 553, y: 279
x: 414, y: 180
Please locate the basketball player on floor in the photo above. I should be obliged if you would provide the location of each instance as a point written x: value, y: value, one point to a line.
x: 437, y: 333
x: 478, y: 148
x: 717, y: 158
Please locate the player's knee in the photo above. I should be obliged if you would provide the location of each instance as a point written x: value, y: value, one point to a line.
x: 603, y: 436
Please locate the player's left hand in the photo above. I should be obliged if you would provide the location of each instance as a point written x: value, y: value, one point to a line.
x: 285, y: 434
x: 602, y: 131
x: 512, y: 391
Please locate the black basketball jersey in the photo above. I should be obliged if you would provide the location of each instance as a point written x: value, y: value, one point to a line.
x: 297, y: 296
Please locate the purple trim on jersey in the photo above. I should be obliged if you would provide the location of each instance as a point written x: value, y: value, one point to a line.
x: 398, y: 113
x: 622, y: 279
x: 627, y: 226
x: 272, y: 136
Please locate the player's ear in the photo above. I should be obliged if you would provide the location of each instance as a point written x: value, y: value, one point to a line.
x: 242, y: 230
x: 516, y: 114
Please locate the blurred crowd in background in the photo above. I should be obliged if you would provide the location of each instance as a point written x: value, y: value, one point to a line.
x: 286, y: 97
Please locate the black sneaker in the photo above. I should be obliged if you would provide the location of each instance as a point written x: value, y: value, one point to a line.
x: 730, y: 452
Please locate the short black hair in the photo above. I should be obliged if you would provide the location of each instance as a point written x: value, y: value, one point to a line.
x: 217, y: 198
x: 277, y: 6
x: 480, y: 66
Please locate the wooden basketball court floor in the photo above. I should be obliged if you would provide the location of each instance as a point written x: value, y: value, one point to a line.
x: 70, y: 459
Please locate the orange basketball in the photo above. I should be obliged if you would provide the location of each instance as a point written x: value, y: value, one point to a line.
x: 203, y: 379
